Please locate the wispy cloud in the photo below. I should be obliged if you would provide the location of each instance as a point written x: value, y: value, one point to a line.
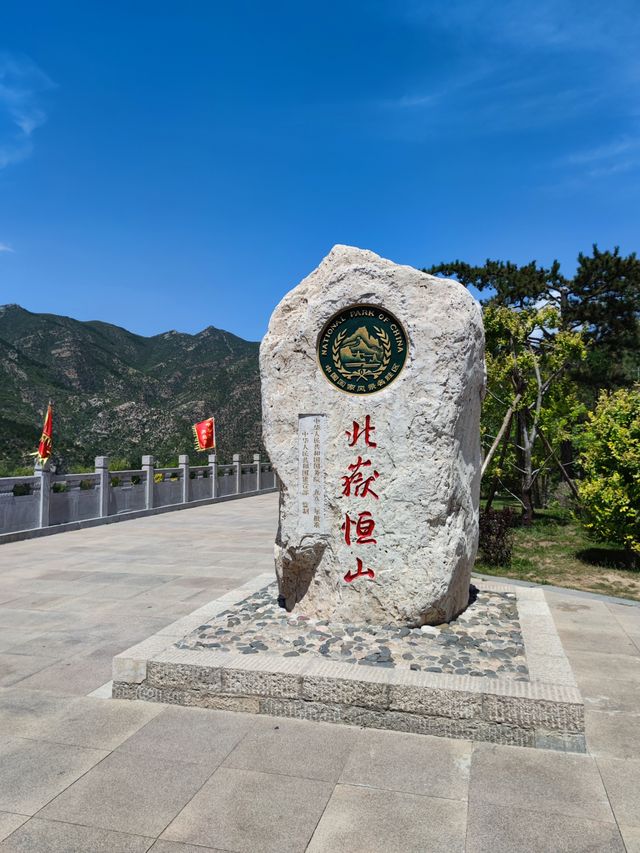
x: 22, y: 110
x: 5, y: 247
x: 612, y: 158
x: 604, y: 153
x: 516, y: 66
x: 495, y: 103
x: 548, y: 24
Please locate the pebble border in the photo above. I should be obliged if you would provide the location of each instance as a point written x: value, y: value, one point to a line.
x: 485, y: 640
x: 545, y: 712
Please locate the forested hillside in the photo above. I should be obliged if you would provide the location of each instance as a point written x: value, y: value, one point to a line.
x: 120, y: 394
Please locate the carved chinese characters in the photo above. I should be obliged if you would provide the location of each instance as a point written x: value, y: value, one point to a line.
x: 358, y: 530
x: 372, y: 379
x: 311, y: 474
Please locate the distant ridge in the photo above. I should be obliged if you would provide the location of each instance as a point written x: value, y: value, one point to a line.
x: 120, y: 394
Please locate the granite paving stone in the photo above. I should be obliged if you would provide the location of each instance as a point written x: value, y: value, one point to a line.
x: 16, y: 668
x: 62, y: 587
x: 33, y: 772
x: 167, y: 593
x: 191, y: 735
x: 197, y: 581
x: 141, y: 555
x: 10, y: 822
x: 46, y: 836
x: 27, y: 713
x: 75, y: 675
x: 367, y: 820
x: 612, y: 639
x: 53, y: 644
x: 631, y: 838
x: 246, y: 811
x: 621, y: 778
x: 606, y: 694
x: 616, y: 667
x: 413, y: 764
x: 507, y: 829
x: 539, y: 780
x: 284, y: 746
x: 613, y: 734
x: 64, y: 575
x: 102, y: 725
x: 130, y: 578
x: 162, y: 846
x: 37, y: 601
x: 10, y: 636
x: 138, y: 794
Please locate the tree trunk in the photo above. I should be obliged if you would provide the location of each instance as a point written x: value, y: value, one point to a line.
x: 502, y: 435
x: 526, y: 469
x: 561, y: 467
x: 527, y: 500
x: 506, y: 435
x: 492, y: 494
x: 538, y: 492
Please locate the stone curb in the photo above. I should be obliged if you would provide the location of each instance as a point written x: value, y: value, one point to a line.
x: 560, y: 590
x: 546, y: 712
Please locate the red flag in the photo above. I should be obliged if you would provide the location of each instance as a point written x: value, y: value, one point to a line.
x: 46, y: 439
x: 205, y: 434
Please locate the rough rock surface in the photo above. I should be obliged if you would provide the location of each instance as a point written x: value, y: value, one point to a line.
x: 427, y: 455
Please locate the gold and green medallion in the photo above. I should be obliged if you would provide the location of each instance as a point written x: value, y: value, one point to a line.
x: 362, y: 349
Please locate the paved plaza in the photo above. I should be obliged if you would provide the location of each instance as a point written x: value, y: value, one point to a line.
x: 82, y: 773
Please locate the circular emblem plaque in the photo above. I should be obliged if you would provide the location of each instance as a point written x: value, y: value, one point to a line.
x: 362, y: 349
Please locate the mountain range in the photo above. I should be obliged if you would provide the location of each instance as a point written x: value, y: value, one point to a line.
x: 121, y: 395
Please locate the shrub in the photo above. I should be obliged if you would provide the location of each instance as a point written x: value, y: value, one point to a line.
x: 610, y: 460
x: 496, y: 537
x: 7, y: 470
x: 118, y: 464
x: 79, y: 469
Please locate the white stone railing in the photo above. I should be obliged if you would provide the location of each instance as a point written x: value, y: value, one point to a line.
x: 47, y: 501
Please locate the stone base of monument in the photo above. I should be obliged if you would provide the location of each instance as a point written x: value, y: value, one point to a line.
x: 498, y: 673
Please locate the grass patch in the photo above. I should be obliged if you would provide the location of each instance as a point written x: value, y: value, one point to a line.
x: 556, y: 550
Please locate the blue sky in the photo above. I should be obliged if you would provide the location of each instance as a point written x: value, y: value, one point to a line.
x: 174, y: 165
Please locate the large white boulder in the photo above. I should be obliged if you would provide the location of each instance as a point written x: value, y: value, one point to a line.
x: 363, y: 342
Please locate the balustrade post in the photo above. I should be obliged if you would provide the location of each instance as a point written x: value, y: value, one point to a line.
x: 183, y: 462
x: 104, y: 484
x: 45, y: 495
x: 148, y: 466
x: 238, y: 466
x: 258, y: 464
x: 213, y: 473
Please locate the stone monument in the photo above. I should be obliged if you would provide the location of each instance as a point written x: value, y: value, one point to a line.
x: 372, y: 382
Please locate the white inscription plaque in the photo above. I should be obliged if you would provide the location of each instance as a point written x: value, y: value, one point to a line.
x: 311, y: 453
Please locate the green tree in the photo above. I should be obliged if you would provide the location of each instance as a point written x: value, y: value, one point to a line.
x: 602, y: 300
x: 530, y: 396
x: 610, y: 460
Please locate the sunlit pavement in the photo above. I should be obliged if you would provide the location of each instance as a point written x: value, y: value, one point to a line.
x: 89, y: 774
